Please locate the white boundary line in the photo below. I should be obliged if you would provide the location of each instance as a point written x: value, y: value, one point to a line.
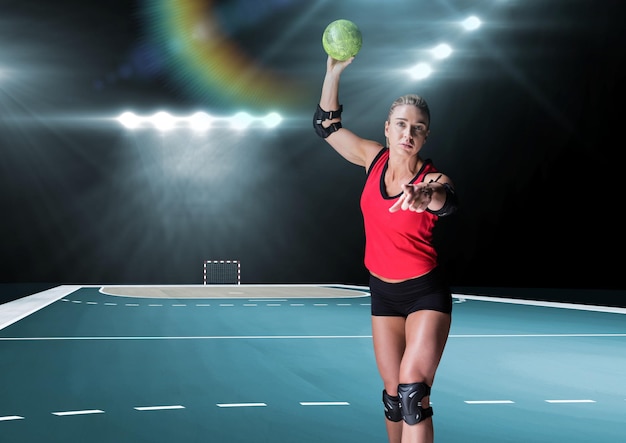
x: 489, y: 402
x: 325, y: 403
x: 240, y: 405
x: 11, y: 417
x: 294, y: 337
x: 83, y: 412
x: 199, y: 337
x: 16, y: 310
x: 545, y: 304
x: 570, y: 401
x: 158, y: 408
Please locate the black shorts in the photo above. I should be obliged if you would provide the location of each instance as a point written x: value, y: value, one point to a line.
x: 428, y: 291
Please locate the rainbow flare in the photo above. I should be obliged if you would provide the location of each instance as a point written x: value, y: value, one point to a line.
x: 207, y: 64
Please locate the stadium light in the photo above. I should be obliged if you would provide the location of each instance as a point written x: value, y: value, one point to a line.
x: 471, y: 23
x: 272, y: 120
x: 241, y: 120
x: 200, y: 121
x: 441, y: 51
x: 129, y: 120
x: 420, y: 71
x: 163, y: 121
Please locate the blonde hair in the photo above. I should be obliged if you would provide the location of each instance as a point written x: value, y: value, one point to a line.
x: 413, y: 100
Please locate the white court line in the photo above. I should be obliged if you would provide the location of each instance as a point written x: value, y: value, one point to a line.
x: 570, y: 401
x: 11, y: 417
x: 488, y: 402
x: 535, y: 335
x: 83, y: 412
x: 240, y: 405
x: 15, y: 310
x: 545, y: 304
x: 158, y: 408
x: 214, y: 337
x: 288, y: 337
x: 324, y: 403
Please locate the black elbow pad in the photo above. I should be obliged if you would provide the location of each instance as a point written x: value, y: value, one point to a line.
x: 321, y: 115
x: 451, y: 204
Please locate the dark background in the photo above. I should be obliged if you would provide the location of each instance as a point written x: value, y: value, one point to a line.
x: 527, y: 119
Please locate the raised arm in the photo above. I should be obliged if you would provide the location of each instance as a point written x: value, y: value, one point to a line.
x: 327, y: 120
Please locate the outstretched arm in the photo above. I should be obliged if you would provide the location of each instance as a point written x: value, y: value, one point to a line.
x: 434, y: 195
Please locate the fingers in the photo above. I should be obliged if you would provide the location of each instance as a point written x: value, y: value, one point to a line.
x: 332, y: 63
x: 398, y: 204
x: 414, y: 198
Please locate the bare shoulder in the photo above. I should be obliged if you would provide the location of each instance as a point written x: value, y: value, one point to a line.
x: 371, y: 149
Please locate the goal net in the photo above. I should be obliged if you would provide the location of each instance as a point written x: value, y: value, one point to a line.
x: 222, y: 272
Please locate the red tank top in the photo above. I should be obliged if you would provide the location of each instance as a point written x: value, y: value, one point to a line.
x: 398, y: 245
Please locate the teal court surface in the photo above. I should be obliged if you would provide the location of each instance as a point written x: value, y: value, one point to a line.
x: 294, y: 363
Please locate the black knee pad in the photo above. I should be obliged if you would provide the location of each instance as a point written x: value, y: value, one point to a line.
x: 392, y: 407
x: 411, y: 395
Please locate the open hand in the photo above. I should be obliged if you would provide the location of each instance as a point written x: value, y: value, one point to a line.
x: 415, y: 197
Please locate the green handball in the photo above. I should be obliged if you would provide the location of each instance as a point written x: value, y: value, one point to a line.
x: 342, y: 39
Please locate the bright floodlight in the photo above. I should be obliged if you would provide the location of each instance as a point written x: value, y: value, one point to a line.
x: 241, y: 120
x: 129, y: 120
x: 441, y: 51
x: 200, y: 121
x: 272, y: 120
x: 163, y: 121
x: 420, y: 71
x: 471, y: 23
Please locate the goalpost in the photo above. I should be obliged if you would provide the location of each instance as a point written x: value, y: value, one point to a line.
x: 222, y: 272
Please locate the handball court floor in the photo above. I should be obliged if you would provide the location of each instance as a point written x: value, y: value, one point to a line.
x: 294, y: 363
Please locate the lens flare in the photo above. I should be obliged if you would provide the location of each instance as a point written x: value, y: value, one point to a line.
x: 208, y: 64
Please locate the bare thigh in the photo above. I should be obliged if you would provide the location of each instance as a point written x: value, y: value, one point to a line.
x: 389, y: 344
x: 426, y: 334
